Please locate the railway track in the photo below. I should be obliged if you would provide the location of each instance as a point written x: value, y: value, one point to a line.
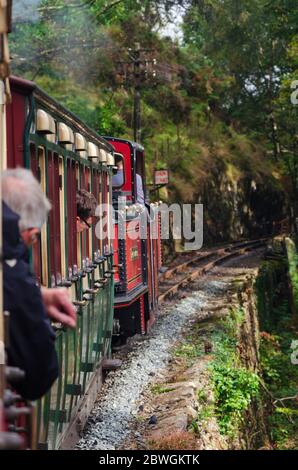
x: 171, y: 281
x: 181, y: 275
x: 144, y: 358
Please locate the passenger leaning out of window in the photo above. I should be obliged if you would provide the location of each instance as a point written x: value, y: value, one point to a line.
x: 31, y: 344
x: 86, y: 207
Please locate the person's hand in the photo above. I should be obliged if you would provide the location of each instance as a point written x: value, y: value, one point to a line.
x: 59, y: 306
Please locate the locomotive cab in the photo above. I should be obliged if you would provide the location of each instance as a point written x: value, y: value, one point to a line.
x: 135, y: 283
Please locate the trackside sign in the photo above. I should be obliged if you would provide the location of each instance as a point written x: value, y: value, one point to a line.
x: 161, y: 177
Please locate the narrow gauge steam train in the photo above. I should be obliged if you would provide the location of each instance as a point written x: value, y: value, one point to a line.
x: 64, y: 155
x: 138, y: 257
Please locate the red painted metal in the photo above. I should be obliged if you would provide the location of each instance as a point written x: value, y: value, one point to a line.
x: 71, y: 213
x: 153, y: 261
x: 126, y: 150
x: 95, y: 192
x: 15, y: 121
x: 159, y: 242
x: 105, y: 201
x: 116, y: 253
x: 133, y: 256
x: 149, y: 268
x: 57, y: 236
x: 155, y: 268
x: 16, y: 112
x: 87, y: 185
x: 36, y: 248
x: 54, y: 215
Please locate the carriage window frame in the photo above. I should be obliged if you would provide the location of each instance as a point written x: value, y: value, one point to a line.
x: 117, y: 187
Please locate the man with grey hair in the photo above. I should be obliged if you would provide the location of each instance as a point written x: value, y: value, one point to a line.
x: 31, y: 342
x: 24, y: 196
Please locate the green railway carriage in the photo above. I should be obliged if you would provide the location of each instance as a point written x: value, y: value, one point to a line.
x: 65, y: 155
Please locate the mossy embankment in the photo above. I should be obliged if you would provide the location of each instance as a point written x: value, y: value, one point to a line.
x: 234, y: 378
x: 277, y: 294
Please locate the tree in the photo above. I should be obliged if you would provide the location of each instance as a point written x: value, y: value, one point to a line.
x: 252, y: 44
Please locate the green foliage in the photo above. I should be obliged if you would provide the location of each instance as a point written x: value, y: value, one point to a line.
x: 276, y: 363
x: 268, y: 287
x: 159, y: 389
x: 283, y: 430
x: 205, y: 413
x: 279, y: 373
x: 234, y: 319
x: 252, y: 46
x: 246, y: 40
x: 235, y: 389
x: 287, y: 411
x: 208, y: 108
x: 292, y: 256
x: 234, y: 386
x: 190, y: 348
x: 99, y: 111
x: 202, y: 396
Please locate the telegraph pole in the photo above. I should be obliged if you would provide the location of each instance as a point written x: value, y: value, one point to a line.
x: 137, y: 94
x: 135, y: 72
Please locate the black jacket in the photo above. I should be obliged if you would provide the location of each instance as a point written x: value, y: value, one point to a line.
x: 31, y: 344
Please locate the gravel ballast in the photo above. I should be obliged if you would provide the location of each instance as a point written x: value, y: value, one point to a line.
x: 109, y: 422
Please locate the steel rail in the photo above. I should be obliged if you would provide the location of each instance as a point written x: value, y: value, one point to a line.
x: 217, y: 257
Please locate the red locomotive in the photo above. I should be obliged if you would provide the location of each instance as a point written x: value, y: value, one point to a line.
x: 137, y: 251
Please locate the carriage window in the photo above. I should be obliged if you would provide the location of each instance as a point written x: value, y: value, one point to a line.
x: 119, y: 178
